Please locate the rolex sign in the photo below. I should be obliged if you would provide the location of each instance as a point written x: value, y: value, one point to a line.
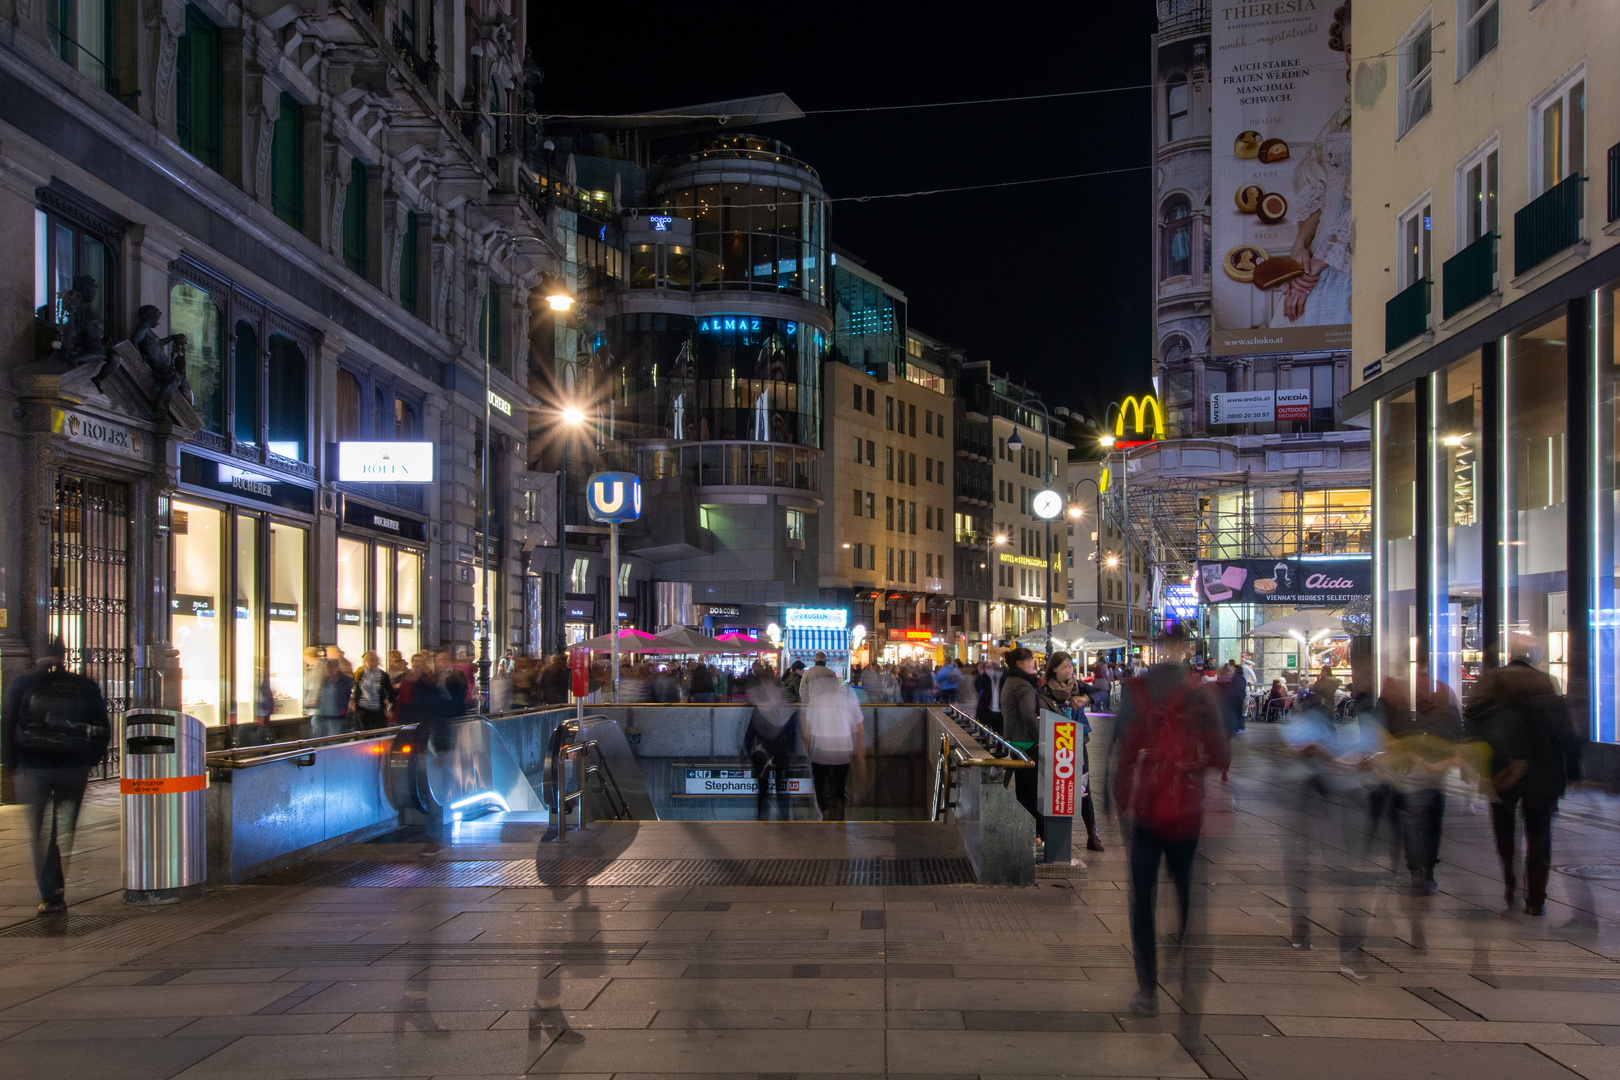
x: 613, y: 496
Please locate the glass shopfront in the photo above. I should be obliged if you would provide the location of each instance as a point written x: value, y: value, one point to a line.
x: 1457, y: 581
x: 260, y: 563
x: 1395, y: 481
x: 1498, y: 512
x: 378, y: 599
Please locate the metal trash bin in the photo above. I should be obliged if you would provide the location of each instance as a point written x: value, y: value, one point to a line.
x: 164, y: 784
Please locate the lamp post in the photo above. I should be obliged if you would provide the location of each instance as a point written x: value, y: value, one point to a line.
x: 1096, y: 553
x: 1046, y: 503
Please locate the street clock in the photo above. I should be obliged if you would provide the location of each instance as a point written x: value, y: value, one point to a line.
x: 1047, y: 504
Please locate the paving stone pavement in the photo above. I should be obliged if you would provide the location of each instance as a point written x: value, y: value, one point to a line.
x: 304, y: 981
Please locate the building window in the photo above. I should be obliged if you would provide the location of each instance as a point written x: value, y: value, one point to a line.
x: 1175, y: 101
x: 348, y: 407
x: 287, y: 415
x: 354, y: 219
x: 1415, y: 228
x: 888, y: 462
x: 871, y: 453
x: 1178, y: 238
x: 857, y: 390
x: 871, y: 403
x: 1478, y: 28
x: 1476, y: 195
x: 198, y: 89
x: 409, y: 272
x: 497, y: 121
x: 888, y: 563
x: 1416, y: 70
x: 579, y: 577
x: 287, y: 163
x: 245, y: 364
x: 1559, y: 132
x: 856, y: 548
x: 407, y: 22
x: 911, y: 411
x: 888, y: 413
x: 871, y: 506
x: 81, y: 32
x: 795, y: 525
x: 67, y: 248
x: 489, y: 323
x: 859, y: 503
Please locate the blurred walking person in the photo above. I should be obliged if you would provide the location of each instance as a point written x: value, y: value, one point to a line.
x: 1535, y: 754
x: 772, y: 732
x: 834, y: 738
x: 58, y: 730
x: 1169, y: 733
x: 374, y: 692
x: 1021, y: 717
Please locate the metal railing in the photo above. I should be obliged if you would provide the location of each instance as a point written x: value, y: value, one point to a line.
x: 1468, y: 276
x: 957, y: 753
x: 1614, y: 182
x: 1406, y: 314
x: 1548, y: 224
x: 246, y: 757
x: 606, y: 784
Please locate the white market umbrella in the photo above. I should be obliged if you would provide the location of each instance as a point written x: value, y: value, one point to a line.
x: 679, y: 639
x: 1311, y: 625
x: 1073, y: 634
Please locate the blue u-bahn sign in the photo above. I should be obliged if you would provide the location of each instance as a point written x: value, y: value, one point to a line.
x: 613, y: 496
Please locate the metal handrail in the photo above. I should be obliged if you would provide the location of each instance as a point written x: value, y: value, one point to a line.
x: 1015, y: 759
x: 230, y: 759
x: 609, y: 786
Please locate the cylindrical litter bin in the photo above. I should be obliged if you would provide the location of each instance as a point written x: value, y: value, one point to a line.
x: 164, y: 784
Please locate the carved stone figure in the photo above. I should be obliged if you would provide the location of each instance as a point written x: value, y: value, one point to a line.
x: 166, y: 356
x: 81, y: 337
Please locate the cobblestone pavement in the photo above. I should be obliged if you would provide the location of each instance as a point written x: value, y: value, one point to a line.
x: 310, y: 975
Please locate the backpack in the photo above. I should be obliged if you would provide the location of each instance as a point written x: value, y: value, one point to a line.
x: 60, y: 720
x: 1161, y: 764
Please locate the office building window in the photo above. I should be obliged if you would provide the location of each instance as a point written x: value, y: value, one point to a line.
x: 888, y: 463
x: 858, y: 504
x: 856, y: 548
x: 198, y: 90
x: 888, y: 513
x: 287, y: 163
x: 409, y: 268
x: 354, y: 219
x: 871, y: 506
x: 1175, y: 103
x: 888, y: 413
x: 81, y: 32
x: 1416, y: 227
x: 871, y: 453
x: 912, y: 412
x: 871, y: 402
x: 1560, y: 132
x: 857, y: 390
x: 1478, y: 28
x: 928, y: 469
x: 913, y: 508
x: 888, y: 563
x: 913, y: 462
x: 795, y: 526
x: 1416, y: 73
x: 1476, y: 195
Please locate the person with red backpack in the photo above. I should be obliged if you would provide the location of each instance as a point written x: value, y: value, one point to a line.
x: 1169, y: 732
x: 57, y: 730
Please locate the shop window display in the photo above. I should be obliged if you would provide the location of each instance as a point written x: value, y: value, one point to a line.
x: 1535, y: 578
x: 194, y: 608
x: 1395, y: 593
x: 1606, y: 521
x: 1457, y: 599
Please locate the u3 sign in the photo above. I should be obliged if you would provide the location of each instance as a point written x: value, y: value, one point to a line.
x: 613, y: 496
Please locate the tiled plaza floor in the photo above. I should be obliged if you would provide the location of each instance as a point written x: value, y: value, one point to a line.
x: 340, y: 981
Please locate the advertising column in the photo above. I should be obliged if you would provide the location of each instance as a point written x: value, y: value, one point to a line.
x: 1280, y: 143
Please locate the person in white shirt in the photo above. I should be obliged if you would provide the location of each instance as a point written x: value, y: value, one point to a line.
x: 816, y: 678
x: 834, y: 736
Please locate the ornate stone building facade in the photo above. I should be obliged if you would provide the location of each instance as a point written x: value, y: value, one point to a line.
x: 335, y: 207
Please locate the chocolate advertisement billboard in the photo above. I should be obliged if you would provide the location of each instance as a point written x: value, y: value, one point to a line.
x: 1306, y: 582
x: 1280, y: 145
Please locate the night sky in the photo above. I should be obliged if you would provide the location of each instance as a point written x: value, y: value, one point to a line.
x: 1050, y: 282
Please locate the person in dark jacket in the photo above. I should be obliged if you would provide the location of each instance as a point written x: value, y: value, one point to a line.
x: 555, y: 680
x: 1535, y: 753
x: 1063, y: 692
x: 987, y: 684
x: 1021, y: 718
x: 52, y: 783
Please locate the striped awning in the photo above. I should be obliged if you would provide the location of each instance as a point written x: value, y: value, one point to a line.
x: 811, y: 640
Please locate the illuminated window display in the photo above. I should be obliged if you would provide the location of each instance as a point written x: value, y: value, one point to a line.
x: 378, y: 598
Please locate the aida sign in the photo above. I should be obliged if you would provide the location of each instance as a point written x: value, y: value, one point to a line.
x: 385, y: 462
x: 613, y: 496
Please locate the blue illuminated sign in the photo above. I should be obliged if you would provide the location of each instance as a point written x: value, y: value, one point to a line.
x: 660, y: 223
x: 1181, y: 601
x: 729, y: 324
x: 613, y: 496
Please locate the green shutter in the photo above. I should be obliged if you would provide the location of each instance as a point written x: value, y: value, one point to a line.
x: 198, y: 90
x: 354, y: 219
x: 287, y: 163
x: 407, y: 264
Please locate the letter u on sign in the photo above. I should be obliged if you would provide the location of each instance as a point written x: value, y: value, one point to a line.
x: 613, y: 496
